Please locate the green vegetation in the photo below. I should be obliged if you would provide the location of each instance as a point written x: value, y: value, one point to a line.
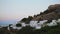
x: 18, y: 25
x: 25, y: 30
x: 27, y: 20
x: 4, y: 30
x: 44, y: 30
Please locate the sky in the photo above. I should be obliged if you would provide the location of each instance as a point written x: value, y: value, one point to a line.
x: 18, y: 9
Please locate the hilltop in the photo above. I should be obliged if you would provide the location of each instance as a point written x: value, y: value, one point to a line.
x: 52, y: 13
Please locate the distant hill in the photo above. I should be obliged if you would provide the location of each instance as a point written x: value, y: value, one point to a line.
x: 52, y: 13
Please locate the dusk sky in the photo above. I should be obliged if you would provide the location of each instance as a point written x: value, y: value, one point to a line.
x: 17, y: 9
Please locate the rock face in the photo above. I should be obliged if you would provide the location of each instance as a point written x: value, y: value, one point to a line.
x: 52, y: 13
x: 52, y: 7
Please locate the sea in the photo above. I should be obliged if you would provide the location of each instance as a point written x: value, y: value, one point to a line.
x: 7, y: 22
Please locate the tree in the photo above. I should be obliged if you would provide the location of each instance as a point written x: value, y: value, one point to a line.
x: 18, y: 25
x: 24, y: 20
x: 27, y: 20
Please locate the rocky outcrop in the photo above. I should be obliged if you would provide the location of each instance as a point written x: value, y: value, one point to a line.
x: 52, y: 13
x: 52, y: 7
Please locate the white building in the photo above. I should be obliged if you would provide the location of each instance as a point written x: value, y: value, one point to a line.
x: 53, y: 23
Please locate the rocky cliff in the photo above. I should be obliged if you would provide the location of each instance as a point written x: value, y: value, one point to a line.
x: 52, y: 13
